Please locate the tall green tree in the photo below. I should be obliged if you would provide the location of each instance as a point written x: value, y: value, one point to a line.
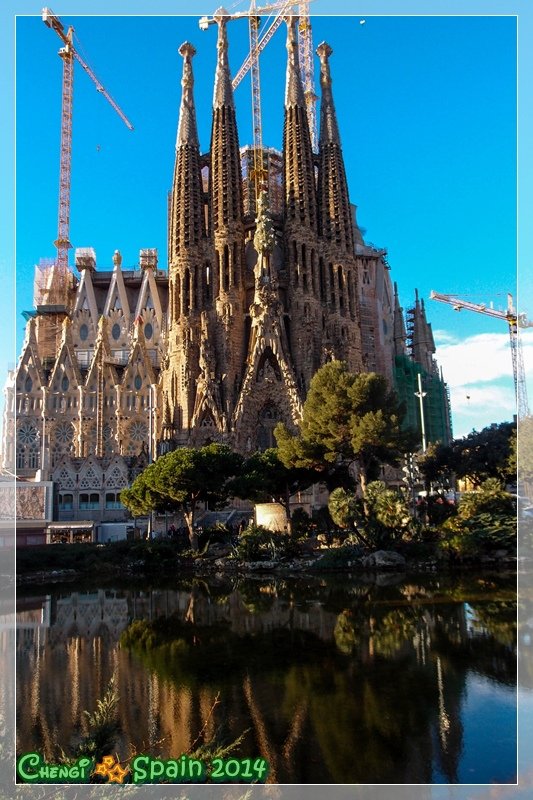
x: 480, y: 455
x: 348, y: 419
x: 183, y: 479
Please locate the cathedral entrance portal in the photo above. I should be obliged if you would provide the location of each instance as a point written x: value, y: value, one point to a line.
x: 269, y: 416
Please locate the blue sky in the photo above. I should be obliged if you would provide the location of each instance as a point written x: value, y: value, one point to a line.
x: 427, y: 113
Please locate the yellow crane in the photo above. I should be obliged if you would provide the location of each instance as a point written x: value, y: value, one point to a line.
x: 514, y: 322
x: 68, y: 53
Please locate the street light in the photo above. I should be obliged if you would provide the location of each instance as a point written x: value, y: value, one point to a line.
x: 420, y: 394
x: 151, y: 409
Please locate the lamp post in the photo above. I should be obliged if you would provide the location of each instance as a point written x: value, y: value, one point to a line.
x: 151, y: 409
x: 420, y: 394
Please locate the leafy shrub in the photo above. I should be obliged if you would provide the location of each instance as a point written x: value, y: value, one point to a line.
x: 491, y: 498
x: 256, y: 543
x: 301, y: 523
x: 439, y: 509
x: 387, y: 519
x: 338, y: 558
x: 485, y: 521
x: 343, y: 508
x: 322, y: 520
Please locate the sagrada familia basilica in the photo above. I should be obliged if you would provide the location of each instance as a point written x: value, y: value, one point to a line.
x: 121, y: 365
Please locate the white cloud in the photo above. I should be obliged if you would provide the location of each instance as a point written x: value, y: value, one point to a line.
x: 481, y: 358
x: 478, y: 371
x: 444, y: 337
x: 469, y: 400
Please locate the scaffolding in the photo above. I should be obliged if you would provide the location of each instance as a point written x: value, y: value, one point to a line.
x: 436, y: 399
x: 54, y: 289
x: 273, y: 169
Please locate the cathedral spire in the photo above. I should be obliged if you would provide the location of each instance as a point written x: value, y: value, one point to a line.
x: 334, y: 203
x: 186, y: 226
x: 422, y: 343
x: 223, y: 92
x: 300, y: 193
x: 226, y: 190
x: 187, y: 133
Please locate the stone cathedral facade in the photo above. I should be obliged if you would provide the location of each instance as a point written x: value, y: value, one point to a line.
x: 119, y: 365
x: 257, y: 301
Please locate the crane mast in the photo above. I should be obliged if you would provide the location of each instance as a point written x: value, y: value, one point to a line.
x: 514, y: 322
x: 305, y: 44
x: 68, y: 53
x: 259, y: 172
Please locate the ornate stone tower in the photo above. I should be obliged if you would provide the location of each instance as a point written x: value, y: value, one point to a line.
x: 338, y: 270
x: 257, y: 303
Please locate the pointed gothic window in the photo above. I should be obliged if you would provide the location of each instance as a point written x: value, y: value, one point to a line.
x: 194, y: 293
x: 225, y: 279
x: 33, y: 457
x: 235, y: 264
x: 340, y: 278
x: 177, y: 299
x: 186, y: 291
x: 117, y: 306
x: 28, y: 385
x: 350, y: 292
x: 207, y: 284
x: 322, y: 278
x: 331, y: 284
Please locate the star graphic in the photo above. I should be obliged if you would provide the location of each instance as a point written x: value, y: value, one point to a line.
x: 101, y: 769
x: 117, y: 774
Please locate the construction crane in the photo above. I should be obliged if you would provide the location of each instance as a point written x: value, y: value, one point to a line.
x: 515, y: 322
x: 68, y: 53
x: 251, y: 63
x: 305, y: 43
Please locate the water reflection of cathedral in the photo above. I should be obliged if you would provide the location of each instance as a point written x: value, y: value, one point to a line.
x: 374, y: 676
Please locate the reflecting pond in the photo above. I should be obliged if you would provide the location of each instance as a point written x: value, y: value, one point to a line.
x: 367, y: 679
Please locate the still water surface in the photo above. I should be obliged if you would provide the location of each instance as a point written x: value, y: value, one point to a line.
x: 391, y: 679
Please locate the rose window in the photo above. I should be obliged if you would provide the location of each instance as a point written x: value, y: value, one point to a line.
x: 139, y: 431
x: 64, y: 432
x: 27, y: 433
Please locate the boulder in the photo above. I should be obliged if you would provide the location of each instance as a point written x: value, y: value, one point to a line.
x: 383, y: 558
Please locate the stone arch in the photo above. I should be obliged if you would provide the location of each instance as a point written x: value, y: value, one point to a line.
x: 268, y: 367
